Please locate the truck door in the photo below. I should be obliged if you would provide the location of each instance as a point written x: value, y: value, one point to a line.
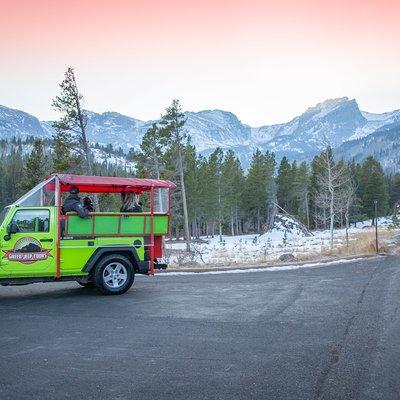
x: 30, y: 249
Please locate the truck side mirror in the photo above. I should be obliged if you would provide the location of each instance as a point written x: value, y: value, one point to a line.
x: 12, y: 228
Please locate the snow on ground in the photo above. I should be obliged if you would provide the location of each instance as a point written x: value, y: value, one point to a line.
x: 268, y: 247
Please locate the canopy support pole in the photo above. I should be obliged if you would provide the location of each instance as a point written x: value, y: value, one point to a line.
x: 151, y: 272
x: 58, y: 230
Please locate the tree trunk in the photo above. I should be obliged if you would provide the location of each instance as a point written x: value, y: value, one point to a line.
x: 219, y: 211
x: 332, y: 217
x: 347, y: 227
x: 237, y: 220
x: 85, y: 144
x: 185, y: 210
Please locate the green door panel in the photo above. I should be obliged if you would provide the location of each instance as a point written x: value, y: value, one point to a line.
x: 31, y: 251
x: 74, y: 254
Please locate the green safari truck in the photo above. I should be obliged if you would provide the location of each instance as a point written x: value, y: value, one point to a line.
x: 39, y: 243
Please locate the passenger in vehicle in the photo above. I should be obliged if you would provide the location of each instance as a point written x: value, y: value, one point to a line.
x: 131, y: 203
x: 73, y: 203
x: 88, y: 204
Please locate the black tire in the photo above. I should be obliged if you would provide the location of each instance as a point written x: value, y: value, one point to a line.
x: 118, y: 284
x: 86, y: 284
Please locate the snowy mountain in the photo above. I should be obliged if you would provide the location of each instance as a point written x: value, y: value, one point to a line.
x: 18, y: 123
x: 114, y: 128
x: 212, y: 128
x: 207, y: 129
x: 337, y: 122
x: 332, y: 122
x: 383, y: 144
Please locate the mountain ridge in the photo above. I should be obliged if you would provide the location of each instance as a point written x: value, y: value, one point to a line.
x: 333, y: 121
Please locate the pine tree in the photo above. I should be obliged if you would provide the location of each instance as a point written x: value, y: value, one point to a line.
x: 284, y: 182
x: 301, y: 196
x: 35, y: 168
x: 212, y: 193
x: 204, y: 194
x: 258, y: 188
x: 149, y: 160
x: 374, y: 188
x: 192, y: 189
x: 12, y: 168
x: 270, y: 187
x: 394, y: 189
x: 232, y: 180
x: 61, y: 151
x: 173, y: 122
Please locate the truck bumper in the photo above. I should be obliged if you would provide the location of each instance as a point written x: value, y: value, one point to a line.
x: 144, y: 266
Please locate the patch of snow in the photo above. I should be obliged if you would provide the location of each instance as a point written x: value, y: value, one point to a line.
x: 284, y: 228
x: 253, y: 248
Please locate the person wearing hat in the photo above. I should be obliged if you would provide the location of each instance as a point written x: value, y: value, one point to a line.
x: 73, y: 203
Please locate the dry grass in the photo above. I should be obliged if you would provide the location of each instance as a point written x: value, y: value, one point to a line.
x: 362, y: 243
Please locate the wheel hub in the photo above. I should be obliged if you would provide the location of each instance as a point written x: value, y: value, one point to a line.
x: 115, y: 275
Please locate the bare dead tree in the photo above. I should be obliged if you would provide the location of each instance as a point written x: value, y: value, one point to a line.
x: 350, y: 197
x: 331, y: 179
x: 321, y: 204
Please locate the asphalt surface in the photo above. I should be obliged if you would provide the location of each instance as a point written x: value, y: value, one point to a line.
x: 329, y: 332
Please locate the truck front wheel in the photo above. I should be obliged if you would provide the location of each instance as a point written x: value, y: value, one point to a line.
x: 113, y: 274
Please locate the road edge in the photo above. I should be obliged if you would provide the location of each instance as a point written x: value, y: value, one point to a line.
x: 271, y: 265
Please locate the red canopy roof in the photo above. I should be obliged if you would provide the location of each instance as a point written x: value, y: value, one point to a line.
x: 108, y: 184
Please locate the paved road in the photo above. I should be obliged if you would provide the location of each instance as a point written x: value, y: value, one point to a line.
x: 330, y: 332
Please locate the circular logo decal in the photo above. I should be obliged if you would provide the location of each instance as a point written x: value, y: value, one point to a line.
x: 27, y: 250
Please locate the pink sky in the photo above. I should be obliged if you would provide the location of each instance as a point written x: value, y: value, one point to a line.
x: 266, y: 61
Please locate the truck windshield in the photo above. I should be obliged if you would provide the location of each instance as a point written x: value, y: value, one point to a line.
x: 38, y: 196
x: 3, y: 215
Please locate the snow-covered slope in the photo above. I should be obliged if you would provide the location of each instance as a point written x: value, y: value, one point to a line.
x: 114, y: 128
x: 331, y: 122
x: 209, y: 129
x: 18, y: 123
x: 375, y: 122
x: 383, y: 144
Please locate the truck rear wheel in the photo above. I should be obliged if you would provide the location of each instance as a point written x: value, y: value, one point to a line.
x: 113, y: 274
